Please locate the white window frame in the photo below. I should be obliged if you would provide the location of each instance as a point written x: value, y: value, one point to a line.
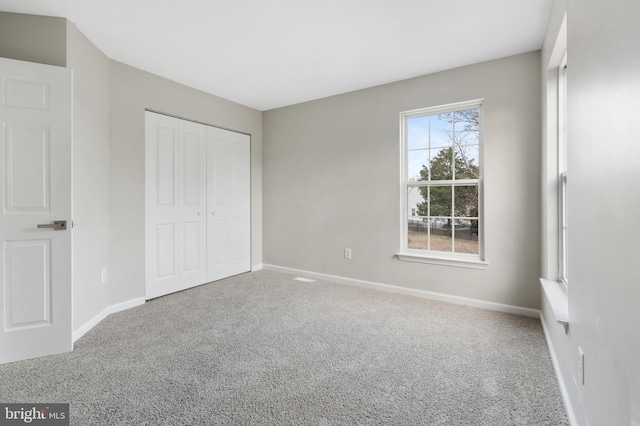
x: 554, y: 181
x: 562, y: 173
x: 476, y: 261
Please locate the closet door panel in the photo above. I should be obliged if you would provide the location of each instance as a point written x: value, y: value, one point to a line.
x: 241, y: 207
x: 228, y: 205
x: 162, y: 206
x: 193, y: 245
x: 175, y: 186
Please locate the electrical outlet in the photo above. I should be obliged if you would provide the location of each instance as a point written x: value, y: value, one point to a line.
x: 104, y: 275
x: 581, y: 365
x: 347, y: 253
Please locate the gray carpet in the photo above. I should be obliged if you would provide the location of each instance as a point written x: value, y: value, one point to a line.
x: 262, y: 348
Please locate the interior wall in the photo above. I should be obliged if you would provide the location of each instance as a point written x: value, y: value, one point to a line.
x: 331, y: 180
x: 559, y: 339
x: 133, y: 90
x: 90, y: 176
x: 603, y: 205
x: 32, y: 38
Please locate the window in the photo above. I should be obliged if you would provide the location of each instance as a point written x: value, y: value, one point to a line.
x: 562, y: 172
x: 554, y: 177
x: 441, y: 183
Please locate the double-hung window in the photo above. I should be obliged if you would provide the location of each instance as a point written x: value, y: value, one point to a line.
x: 441, y: 184
x: 562, y: 172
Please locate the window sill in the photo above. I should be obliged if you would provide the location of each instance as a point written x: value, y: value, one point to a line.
x: 472, y: 262
x: 556, y: 294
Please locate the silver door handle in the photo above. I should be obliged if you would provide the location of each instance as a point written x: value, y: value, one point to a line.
x: 57, y: 225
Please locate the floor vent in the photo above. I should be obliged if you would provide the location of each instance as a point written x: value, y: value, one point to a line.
x: 306, y: 280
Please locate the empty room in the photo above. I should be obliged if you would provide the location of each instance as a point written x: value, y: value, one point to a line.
x: 289, y: 212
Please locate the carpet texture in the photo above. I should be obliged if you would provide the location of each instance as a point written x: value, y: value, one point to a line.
x: 262, y: 348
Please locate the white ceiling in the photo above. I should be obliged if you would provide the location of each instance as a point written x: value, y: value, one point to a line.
x: 271, y: 53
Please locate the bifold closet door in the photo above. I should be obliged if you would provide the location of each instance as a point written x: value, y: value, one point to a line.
x: 175, y: 180
x: 228, y: 203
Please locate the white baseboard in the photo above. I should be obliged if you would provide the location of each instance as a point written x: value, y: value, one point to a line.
x: 257, y: 267
x: 91, y: 323
x: 123, y: 306
x: 105, y: 313
x: 571, y: 415
x: 517, y: 310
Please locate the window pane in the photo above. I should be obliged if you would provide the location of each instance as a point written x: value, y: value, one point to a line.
x: 441, y: 162
x: 416, y: 225
x: 466, y: 127
x: 467, y: 160
x: 417, y: 202
x: 441, y: 130
x: 466, y: 201
x: 417, y: 233
x: 466, y: 236
x: 440, y: 230
x: 440, y: 200
x: 418, y: 132
x: 416, y: 165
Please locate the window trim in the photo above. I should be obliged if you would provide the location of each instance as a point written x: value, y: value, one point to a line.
x: 562, y: 173
x: 563, y: 231
x: 438, y: 257
x: 555, y: 291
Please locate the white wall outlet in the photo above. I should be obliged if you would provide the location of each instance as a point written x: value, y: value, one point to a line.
x: 347, y: 253
x: 581, y: 365
x: 104, y: 275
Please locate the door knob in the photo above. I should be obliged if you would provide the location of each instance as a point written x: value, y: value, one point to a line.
x: 57, y: 225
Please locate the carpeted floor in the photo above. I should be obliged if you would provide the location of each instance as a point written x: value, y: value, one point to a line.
x: 261, y: 348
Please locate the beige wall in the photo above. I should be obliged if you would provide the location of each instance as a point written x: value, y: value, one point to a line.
x: 331, y: 180
x: 133, y: 90
x: 32, y: 38
x: 603, y: 204
x: 90, y: 176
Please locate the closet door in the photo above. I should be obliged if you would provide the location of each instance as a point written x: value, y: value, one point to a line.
x: 175, y: 180
x: 192, y: 245
x: 228, y: 203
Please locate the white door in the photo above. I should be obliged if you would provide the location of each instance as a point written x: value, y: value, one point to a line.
x: 192, y: 247
x: 35, y: 190
x: 175, y: 180
x: 228, y: 203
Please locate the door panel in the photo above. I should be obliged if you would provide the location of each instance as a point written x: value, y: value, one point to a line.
x: 175, y: 204
x: 26, y: 93
x: 192, y: 170
x: 166, y: 249
x: 192, y: 237
x: 166, y: 160
x: 35, y: 263
x: 26, y: 169
x: 228, y: 203
x: 219, y: 238
x: 193, y: 249
x: 162, y: 212
x: 28, y: 284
